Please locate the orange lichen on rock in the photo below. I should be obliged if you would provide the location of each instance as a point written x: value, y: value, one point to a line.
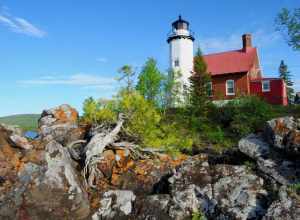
x: 66, y: 113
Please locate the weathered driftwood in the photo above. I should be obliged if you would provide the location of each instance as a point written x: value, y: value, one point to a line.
x: 72, y: 151
x: 94, y: 150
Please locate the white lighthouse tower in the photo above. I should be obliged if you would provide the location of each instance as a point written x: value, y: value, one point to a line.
x: 181, y: 41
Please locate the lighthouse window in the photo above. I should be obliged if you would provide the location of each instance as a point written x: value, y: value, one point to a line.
x: 176, y: 63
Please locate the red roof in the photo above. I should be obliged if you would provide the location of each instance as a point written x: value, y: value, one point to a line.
x: 235, y: 61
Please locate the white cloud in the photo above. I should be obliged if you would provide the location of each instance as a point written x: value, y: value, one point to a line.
x: 102, y: 60
x: 260, y: 38
x: 20, y: 25
x: 82, y: 80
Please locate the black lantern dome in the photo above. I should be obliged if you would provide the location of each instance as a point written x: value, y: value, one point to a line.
x: 180, y: 24
x: 180, y: 29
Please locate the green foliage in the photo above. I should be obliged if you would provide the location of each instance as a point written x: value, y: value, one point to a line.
x: 295, y: 188
x: 242, y: 116
x: 199, y: 94
x: 143, y: 121
x: 250, y: 165
x: 127, y: 75
x: 198, y: 216
x: 286, y: 76
x: 98, y: 111
x: 150, y: 82
x: 289, y: 24
x: 28, y: 122
x: 142, y: 117
x: 172, y: 90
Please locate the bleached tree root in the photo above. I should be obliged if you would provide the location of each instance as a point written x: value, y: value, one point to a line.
x: 74, y: 154
x: 94, y: 150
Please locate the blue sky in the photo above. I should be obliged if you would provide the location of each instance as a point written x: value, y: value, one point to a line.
x: 63, y: 51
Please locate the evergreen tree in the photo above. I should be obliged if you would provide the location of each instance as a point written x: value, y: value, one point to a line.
x: 199, y: 91
x: 286, y: 76
x: 127, y: 74
x: 150, y: 82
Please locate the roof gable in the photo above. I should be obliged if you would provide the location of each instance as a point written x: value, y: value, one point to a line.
x: 235, y: 61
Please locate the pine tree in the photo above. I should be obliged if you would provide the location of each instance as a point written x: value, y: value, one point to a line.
x: 286, y: 76
x: 127, y: 74
x: 199, y: 92
x: 150, y: 82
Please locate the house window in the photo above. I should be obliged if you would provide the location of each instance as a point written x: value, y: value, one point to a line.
x: 230, y: 87
x: 266, y: 86
x: 209, y: 89
x: 176, y: 63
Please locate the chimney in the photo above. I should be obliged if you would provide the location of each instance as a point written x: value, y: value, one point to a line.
x: 247, y: 42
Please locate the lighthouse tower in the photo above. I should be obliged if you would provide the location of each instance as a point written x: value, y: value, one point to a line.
x: 181, y: 41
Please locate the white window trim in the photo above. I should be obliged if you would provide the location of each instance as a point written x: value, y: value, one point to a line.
x: 227, y: 81
x: 262, y: 86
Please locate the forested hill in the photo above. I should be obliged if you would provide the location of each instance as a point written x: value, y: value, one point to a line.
x: 25, y: 121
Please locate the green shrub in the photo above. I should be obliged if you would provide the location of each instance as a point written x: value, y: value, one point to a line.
x: 198, y: 216
x: 143, y: 121
x: 142, y: 117
x: 295, y: 188
x: 242, y: 116
x: 99, y: 111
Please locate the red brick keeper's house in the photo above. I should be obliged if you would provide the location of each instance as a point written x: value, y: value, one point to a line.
x: 235, y: 73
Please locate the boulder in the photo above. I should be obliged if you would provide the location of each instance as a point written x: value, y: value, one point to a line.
x: 50, y: 190
x: 254, y: 146
x: 271, y: 162
x: 14, y: 129
x: 58, y: 123
x: 218, y: 191
x: 10, y: 162
x: 283, y: 133
x: 115, y: 204
x: 286, y: 207
x: 20, y: 142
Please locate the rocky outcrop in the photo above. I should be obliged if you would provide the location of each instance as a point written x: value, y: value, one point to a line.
x: 276, y: 153
x: 45, y: 178
x: 286, y: 207
x: 284, y: 134
x: 219, y: 191
x: 21, y: 142
x: 39, y: 183
x: 58, y: 123
x: 115, y: 205
x: 274, y: 163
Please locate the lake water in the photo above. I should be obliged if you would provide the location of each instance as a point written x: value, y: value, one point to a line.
x: 31, y: 134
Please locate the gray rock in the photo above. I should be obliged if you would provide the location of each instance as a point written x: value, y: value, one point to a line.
x: 115, y: 204
x: 272, y: 163
x: 14, y: 129
x: 43, y: 191
x: 286, y: 207
x: 254, y: 146
x: 220, y: 191
x: 283, y: 133
x: 20, y: 142
x: 57, y: 123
